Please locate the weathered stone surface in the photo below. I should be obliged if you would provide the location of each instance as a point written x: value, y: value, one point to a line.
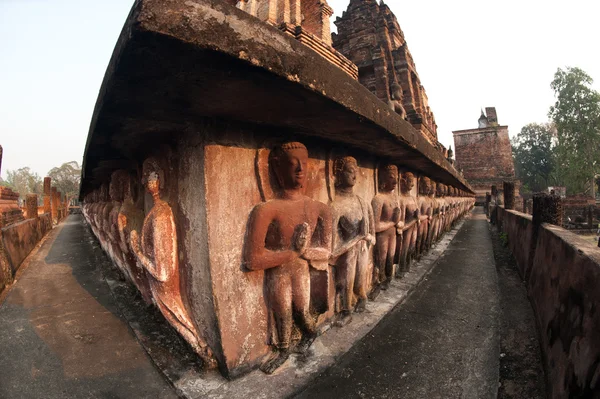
x: 547, y: 209
x: 47, y: 195
x: 509, y: 195
x: 19, y: 239
x: 370, y: 36
x: 307, y: 21
x: 562, y: 273
x: 31, y: 203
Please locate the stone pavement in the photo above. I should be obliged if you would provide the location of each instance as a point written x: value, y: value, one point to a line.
x: 61, y: 332
x: 443, y: 342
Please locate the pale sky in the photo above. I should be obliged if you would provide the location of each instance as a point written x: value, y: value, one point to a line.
x: 469, y: 54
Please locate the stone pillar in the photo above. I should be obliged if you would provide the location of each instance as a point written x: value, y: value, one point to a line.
x: 54, y: 203
x: 509, y: 195
x: 31, y: 202
x: 547, y: 209
x: 47, y: 195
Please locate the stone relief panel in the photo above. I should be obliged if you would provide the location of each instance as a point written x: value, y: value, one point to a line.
x: 251, y: 251
x: 388, y: 225
x: 412, y: 219
x: 353, y: 237
x: 287, y: 237
x: 155, y: 247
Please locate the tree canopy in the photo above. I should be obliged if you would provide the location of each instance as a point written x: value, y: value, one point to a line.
x: 66, y: 178
x: 534, y: 156
x: 576, y: 115
x: 565, y: 152
x: 24, y: 181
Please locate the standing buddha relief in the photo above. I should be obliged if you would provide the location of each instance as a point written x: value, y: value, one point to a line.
x: 157, y: 252
x: 287, y: 237
x: 388, y: 225
x: 412, y: 214
x: 353, y: 236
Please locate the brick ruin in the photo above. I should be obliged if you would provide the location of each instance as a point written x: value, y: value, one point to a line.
x: 484, y: 155
x: 307, y: 21
x: 232, y: 133
x: 370, y: 36
x: 20, y: 232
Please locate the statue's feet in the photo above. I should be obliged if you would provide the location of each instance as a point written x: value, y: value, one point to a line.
x: 375, y: 293
x: 274, y: 363
x: 343, y: 318
x: 385, y: 285
x: 361, y: 305
x: 304, y: 345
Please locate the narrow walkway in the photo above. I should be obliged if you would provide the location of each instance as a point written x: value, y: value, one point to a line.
x: 443, y: 342
x: 61, y: 333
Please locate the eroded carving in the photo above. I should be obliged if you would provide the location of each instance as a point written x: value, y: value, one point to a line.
x: 388, y: 224
x: 412, y: 213
x: 286, y: 237
x: 353, y: 236
x: 396, y: 100
x: 156, y: 250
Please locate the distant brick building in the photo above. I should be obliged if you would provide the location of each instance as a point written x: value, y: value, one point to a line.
x: 369, y: 35
x: 484, y: 155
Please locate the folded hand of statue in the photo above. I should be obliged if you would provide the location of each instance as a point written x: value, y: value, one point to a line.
x: 301, y: 238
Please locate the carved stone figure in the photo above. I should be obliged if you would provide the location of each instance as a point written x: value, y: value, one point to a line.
x: 388, y: 223
x: 426, y: 211
x: 286, y: 237
x: 411, y: 211
x: 396, y: 101
x: 158, y: 254
x: 129, y: 217
x: 353, y: 235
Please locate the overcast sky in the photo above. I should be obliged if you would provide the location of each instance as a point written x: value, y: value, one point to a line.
x: 469, y: 54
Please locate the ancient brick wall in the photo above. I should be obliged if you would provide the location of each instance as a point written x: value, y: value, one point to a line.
x: 562, y: 273
x: 485, y: 157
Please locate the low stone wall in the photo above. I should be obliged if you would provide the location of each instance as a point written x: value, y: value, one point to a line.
x: 563, y: 273
x: 17, y: 241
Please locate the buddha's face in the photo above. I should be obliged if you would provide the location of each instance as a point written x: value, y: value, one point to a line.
x: 347, y: 176
x: 408, y: 182
x: 291, y: 168
x: 440, y: 190
x: 153, y: 183
x: 389, y: 178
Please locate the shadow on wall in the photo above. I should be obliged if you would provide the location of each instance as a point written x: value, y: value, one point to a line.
x: 562, y: 271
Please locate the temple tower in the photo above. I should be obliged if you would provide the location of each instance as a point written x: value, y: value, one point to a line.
x: 369, y: 35
x: 485, y: 155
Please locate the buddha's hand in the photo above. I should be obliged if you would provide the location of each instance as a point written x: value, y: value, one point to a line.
x: 301, y: 238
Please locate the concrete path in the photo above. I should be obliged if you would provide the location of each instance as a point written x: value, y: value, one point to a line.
x: 443, y: 342
x: 61, y: 333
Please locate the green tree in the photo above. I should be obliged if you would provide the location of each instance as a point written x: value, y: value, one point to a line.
x: 67, y: 178
x: 534, y: 156
x: 576, y: 115
x: 24, y: 181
